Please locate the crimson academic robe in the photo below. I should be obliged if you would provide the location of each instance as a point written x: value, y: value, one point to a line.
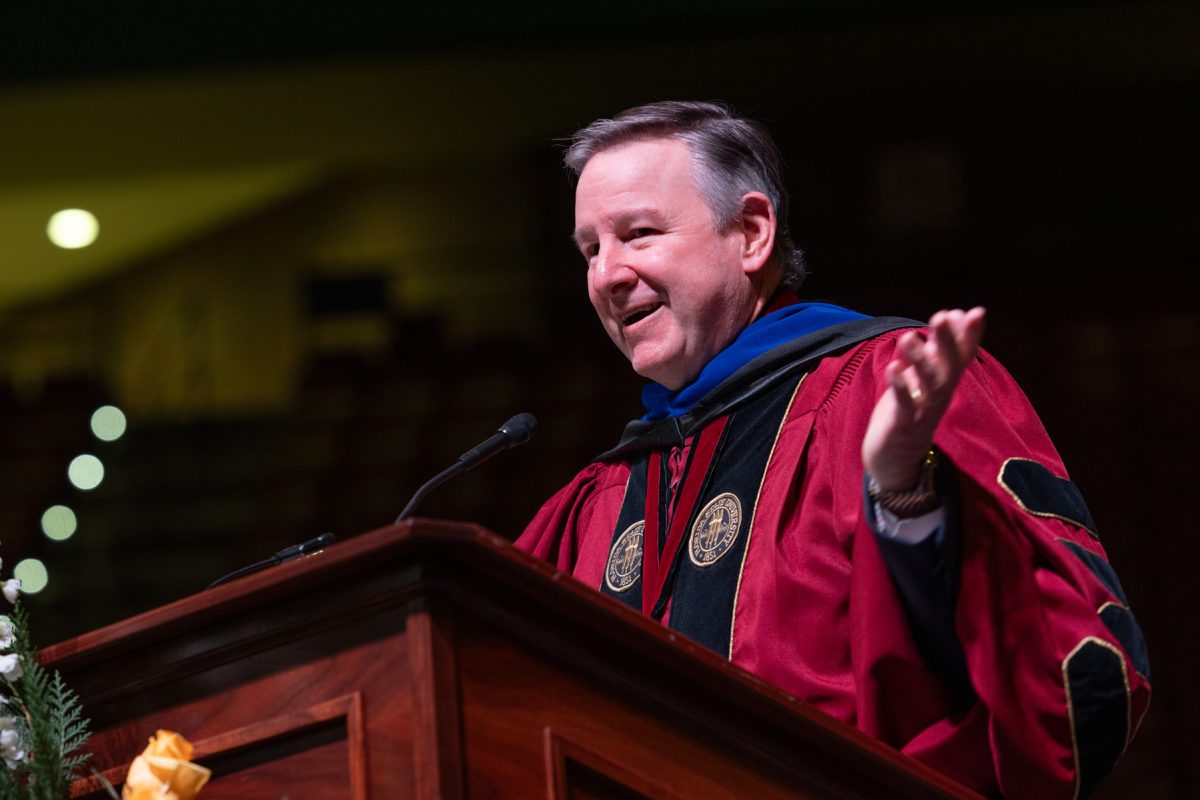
x: 1047, y: 680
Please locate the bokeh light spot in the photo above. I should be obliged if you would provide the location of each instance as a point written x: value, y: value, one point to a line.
x: 86, y: 471
x: 59, y: 523
x: 73, y: 228
x: 108, y: 423
x: 32, y: 574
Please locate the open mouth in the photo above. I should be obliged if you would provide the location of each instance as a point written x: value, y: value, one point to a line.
x: 640, y: 314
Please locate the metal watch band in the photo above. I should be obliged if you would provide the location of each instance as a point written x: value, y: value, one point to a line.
x: 913, y: 502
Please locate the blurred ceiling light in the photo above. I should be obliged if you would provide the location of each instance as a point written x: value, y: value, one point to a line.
x: 73, y: 228
x: 108, y: 423
x: 85, y: 471
x: 32, y: 574
x: 59, y: 523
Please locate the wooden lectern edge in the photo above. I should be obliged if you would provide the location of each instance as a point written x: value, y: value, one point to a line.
x: 223, y: 601
x: 676, y: 653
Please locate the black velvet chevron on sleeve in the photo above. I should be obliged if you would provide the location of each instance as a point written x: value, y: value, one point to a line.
x: 1120, y: 622
x: 1041, y: 492
x: 1099, y: 697
x: 1098, y: 567
x: 1116, y: 616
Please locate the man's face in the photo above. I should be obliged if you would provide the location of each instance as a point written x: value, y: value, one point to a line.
x: 670, y: 289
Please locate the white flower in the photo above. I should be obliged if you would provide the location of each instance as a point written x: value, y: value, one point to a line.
x: 10, y: 743
x: 10, y: 667
x: 11, y: 589
x: 6, y: 634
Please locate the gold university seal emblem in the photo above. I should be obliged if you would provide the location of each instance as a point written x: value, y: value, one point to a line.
x: 716, y: 530
x: 625, y: 559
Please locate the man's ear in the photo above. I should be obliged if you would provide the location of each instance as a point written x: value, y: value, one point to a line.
x: 757, y: 231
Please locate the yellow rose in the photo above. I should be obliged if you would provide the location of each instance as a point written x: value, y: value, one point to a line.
x: 171, y: 745
x: 163, y: 771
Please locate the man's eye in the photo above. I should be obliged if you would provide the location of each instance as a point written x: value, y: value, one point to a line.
x: 637, y: 233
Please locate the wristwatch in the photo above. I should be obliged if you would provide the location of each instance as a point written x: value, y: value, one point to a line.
x: 913, y: 502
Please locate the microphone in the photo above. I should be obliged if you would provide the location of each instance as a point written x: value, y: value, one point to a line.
x: 517, y: 430
x: 286, y: 554
x: 297, y: 550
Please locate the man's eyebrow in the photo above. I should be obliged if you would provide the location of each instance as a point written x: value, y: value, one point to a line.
x: 580, y: 235
x: 646, y: 212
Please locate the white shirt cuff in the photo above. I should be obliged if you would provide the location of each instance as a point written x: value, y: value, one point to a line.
x: 909, y: 530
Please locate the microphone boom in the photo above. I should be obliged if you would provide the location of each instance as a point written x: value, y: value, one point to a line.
x: 517, y: 430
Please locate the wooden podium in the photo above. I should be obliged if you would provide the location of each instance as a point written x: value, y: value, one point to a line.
x: 433, y: 660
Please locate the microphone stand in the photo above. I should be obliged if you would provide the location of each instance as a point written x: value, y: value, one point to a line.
x: 517, y: 430
x: 429, y: 485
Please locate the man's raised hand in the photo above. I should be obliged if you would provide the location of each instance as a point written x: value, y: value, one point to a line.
x: 921, y: 383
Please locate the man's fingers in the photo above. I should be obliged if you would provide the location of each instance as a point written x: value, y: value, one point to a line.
x: 914, y: 396
x: 928, y: 367
x: 929, y: 377
x: 957, y: 335
x: 973, y: 324
x: 945, y: 337
x: 904, y: 391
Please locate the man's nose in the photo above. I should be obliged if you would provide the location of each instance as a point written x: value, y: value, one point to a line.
x: 611, y: 270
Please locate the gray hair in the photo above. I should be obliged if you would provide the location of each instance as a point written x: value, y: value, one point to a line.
x: 733, y: 155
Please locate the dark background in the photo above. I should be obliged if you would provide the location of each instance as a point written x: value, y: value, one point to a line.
x: 1039, y: 159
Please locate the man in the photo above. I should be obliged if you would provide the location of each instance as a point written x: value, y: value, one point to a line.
x: 867, y: 514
